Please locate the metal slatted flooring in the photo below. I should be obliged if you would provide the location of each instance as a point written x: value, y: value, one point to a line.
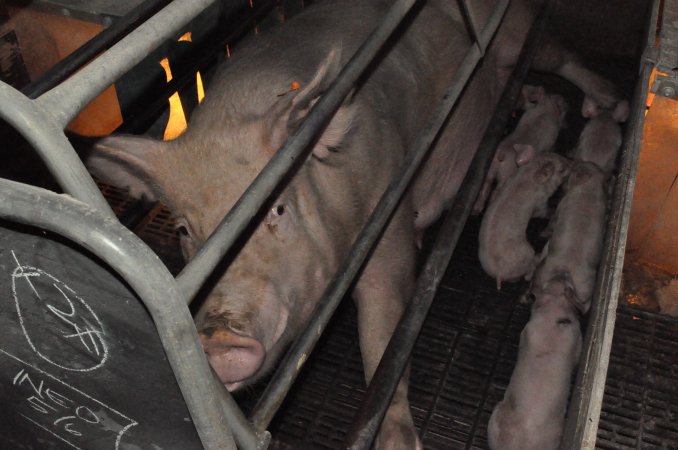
x: 640, y: 406
x: 462, y: 363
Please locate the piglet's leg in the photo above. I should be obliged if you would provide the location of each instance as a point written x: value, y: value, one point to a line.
x: 384, y: 287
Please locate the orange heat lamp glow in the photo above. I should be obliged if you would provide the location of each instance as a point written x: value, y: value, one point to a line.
x: 650, y: 94
x: 201, y: 89
x: 176, y: 124
x: 188, y: 37
x: 177, y: 120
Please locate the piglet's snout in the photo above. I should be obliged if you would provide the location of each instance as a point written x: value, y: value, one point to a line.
x: 233, y: 357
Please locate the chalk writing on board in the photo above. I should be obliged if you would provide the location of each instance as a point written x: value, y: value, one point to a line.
x: 68, y: 333
x: 63, y: 411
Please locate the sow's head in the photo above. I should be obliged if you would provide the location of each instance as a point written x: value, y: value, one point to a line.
x: 270, y: 287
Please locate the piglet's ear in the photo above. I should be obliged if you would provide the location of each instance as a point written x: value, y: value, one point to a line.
x: 545, y: 172
x: 590, y: 108
x: 580, y: 174
x: 530, y: 95
x: 621, y: 112
x: 562, y: 107
x: 524, y: 153
x: 127, y: 162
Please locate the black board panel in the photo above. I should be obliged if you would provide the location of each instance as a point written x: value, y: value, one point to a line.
x: 81, y: 365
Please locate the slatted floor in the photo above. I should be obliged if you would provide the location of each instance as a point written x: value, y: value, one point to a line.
x: 462, y: 363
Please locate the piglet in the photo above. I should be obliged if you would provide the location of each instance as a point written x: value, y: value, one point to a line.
x: 529, y: 96
x: 504, y: 251
x: 535, y: 133
x: 532, y: 414
x: 576, y: 243
x: 600, y: 141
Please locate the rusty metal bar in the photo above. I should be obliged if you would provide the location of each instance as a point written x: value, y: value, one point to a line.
x: 296, y: 357
x: 385, y: 380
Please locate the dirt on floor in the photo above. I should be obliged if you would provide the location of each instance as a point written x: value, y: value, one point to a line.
x: 649, y: 287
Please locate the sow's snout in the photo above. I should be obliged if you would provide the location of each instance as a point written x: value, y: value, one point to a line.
x: 234, y: 357
x: 239, y: 346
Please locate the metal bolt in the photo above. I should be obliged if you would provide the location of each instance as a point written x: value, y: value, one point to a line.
x: 668, y: 91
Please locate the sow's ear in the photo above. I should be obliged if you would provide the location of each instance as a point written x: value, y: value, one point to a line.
x: 127, y: 162
x: 289, y: 113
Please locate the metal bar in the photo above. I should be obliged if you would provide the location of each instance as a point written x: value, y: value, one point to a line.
x: 49, y: 141
x: 71, y: 96
x: 380, y: 391
x: 91, y: 48
x: 199, y: 58
x: 583, y: 414
x: 296, y: 356
x: 467, y: 12
x: 203, y: 263
x: 245, y: 436
x: 144, y: 272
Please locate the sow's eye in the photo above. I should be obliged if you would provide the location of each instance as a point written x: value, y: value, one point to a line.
x: 278, y: 210
x: 185, y: 237
x: 279, y: 220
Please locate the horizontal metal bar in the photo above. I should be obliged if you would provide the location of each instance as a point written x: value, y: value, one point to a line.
x: 144, y: 272
x: 295, y: 358
x: 587, y: 397
x: 397, y: 354
x: 91, y: 48
x: 70, y: 97
x: 203, y: 263
x: 199, y: 58
x: 49, y: 141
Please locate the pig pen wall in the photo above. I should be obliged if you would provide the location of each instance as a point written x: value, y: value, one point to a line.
x: 465, y: 354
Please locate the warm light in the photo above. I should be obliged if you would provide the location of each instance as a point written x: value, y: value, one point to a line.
x: 650, y: 94
x: 176, y: 124
x: 168, y: 72
x: 201, y: 89
x: 177, y: 120
x: 634, y: 299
